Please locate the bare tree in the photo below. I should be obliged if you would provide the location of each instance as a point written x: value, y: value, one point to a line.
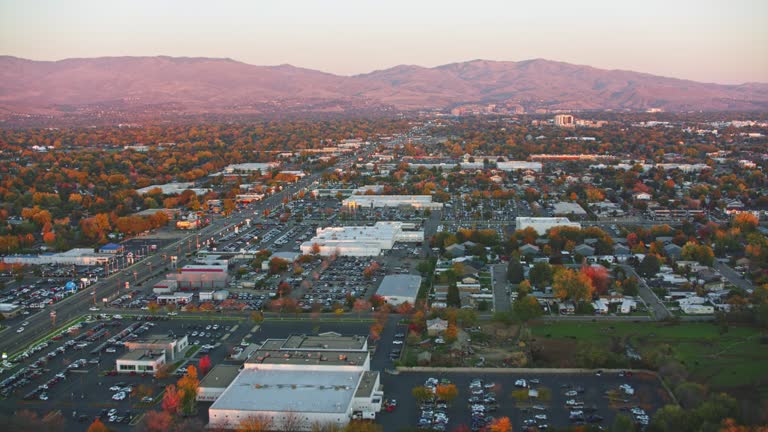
x: 291, y: 422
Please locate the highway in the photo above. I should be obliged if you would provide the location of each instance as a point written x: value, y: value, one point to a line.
x: 71, y: 307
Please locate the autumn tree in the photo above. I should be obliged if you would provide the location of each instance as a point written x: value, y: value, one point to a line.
x: 187, y: 387
x: 745, y: 221
x: 360, y: 306
x: 568, y: 284
x: 204, y: 365
x: 255, y: 423
x: 446, y: 392
x: 156, y: 421
x: 422, y: 394
x: 598, y: 275
x: 97, y: 426
x: 524, y: 288
x: 257, y: 317
x: 501, y: 424
x: 702, y: 254
x: 277, y: 265
x: 171, y: 399
x: 363, y: 426
x: 142, y: 391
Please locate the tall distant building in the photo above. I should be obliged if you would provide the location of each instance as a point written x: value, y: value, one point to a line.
x: 564, y: 120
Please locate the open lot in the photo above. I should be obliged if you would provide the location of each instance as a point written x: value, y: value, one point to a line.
x: 722, y: 359
x: 649, y: 395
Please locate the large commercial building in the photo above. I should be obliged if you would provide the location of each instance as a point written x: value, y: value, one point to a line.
x: 378, y: 201
x: 568, y: 209
x: 299, y: 383
x: 362, y: 240
x: 174, y: 189
x: 250, y: 167
x: 519, y: 166
x: 399, y: 289
x: 206, y: 276
x: 77, y: 256
x: 564, y: 120
x: 543, y: 224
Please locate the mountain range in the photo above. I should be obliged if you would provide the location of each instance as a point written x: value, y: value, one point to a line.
x: 125, y: 86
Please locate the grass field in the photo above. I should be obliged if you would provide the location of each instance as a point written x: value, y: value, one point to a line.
x: 735, y: 358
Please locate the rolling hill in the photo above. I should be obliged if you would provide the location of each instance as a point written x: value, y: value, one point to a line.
x: 146, y: 86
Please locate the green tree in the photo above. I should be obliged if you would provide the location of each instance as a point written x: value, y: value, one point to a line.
x: 422, y: 394
x: 541, y: 274
x: 527, y: 308
x: 702, y: 254
x: 690, y: 394
x: 622, y: 423
x: 453, y: 299
x: 630, y: 286
x: 515, y: 271
x: 649, y: 266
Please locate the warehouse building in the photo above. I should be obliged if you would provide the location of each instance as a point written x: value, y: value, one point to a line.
x: 216, y: 381
x: 77, y: 256
x: 299, y: 383
x: 398, y: 289
x: 543, y: 224
x: 568, y: 209
x: 362, y: 240
x: 519, y: 166
x: 378, y: 201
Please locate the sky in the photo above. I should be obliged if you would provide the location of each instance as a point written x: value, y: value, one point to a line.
x: 723, y: 41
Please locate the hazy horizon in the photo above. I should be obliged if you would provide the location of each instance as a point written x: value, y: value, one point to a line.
x: 705, y: 41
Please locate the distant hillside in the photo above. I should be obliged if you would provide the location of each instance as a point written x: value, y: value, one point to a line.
x: 145, y: 85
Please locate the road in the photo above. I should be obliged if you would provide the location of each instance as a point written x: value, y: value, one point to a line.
x: 734, y: 277
x: 657, y: 308
x: 499, y: 284
x: 109, y: 287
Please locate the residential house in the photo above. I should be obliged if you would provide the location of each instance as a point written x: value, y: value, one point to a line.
x: 584, y: 250
x: 673, y: 251
x: 529, y: 249
x: 436, y: 326
x: 455, y: 250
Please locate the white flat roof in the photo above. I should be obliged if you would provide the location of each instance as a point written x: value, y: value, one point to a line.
x: 569, y: 208
x: 399, y: 286
x: 298, y: 391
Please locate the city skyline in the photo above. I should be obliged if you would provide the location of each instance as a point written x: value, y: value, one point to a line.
x: 701, y: 41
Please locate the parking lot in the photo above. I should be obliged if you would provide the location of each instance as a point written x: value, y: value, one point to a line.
x: 565, y: 394
x: 74, y: 372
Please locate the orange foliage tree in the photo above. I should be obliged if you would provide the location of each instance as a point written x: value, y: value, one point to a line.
x: 501, y: 424
x: 171, y: 399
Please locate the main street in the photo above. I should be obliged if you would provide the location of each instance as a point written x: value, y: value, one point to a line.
x: 658, y: 310
x: 501, y: 302
x: 71, y: 307
x: 733, y: 277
